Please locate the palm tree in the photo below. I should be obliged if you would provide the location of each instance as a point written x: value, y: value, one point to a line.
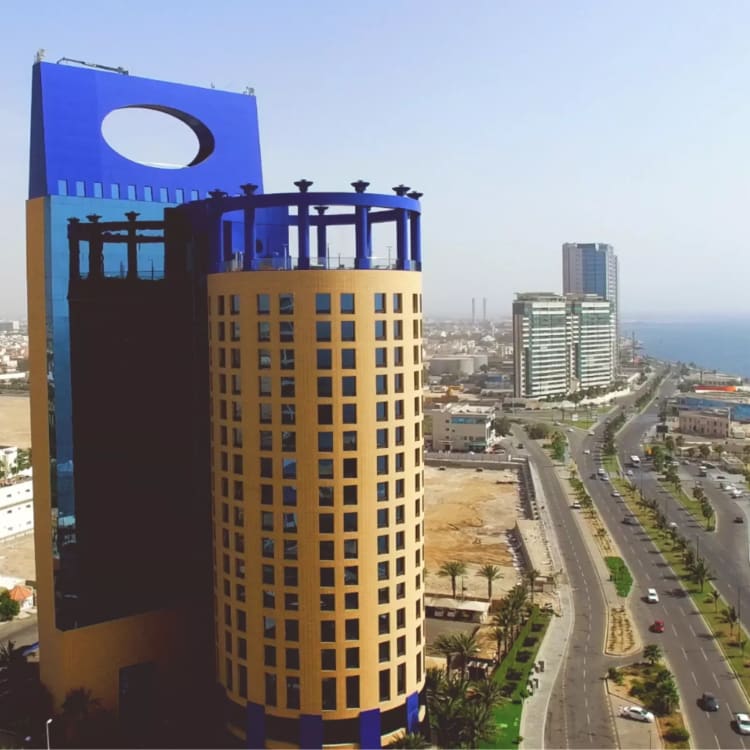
x: 652, y: 653
x: 489, y: 692
x: 478, y: 724
x: 667, y: 696
x: 715, y: 595
x: 708, y: 513
x: 491, y: 573
x: 531, y: 576
x: 452, y: 570
x: 465, y: 646
x: 445, y: 645
x: 410, y: 741
x: 731, y: 618
x: 500, y: 634
x: 701, y: 572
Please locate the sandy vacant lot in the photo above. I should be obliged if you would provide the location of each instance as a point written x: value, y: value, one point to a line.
x: 467, y: 516
x: 15, y: 421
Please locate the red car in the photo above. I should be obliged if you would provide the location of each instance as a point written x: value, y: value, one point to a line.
x: 657, y: 627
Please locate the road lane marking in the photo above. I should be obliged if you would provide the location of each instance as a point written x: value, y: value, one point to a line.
x: 695, y: 679
x: 692, y: 632
x: 705, y: 656
x: 716, y: 680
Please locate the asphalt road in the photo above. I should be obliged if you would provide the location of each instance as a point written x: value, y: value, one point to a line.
x: 693, y: 656
x: 21, y: 632
x: 579, y: 714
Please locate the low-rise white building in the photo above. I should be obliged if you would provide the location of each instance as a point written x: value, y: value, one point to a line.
x: 16, y: 508
x: 462, y: 427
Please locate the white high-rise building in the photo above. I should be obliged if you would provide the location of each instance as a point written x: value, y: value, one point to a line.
x: 562, y: 344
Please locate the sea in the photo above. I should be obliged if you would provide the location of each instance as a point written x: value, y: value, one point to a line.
x: 721, y: 344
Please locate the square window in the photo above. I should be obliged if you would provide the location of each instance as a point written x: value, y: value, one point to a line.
x: 380, y: 303
x: 399, y: 488
x: 291, y: 602
x: 323, y: 330
x: 328, y: 631
x: 286, y: 304
x: 324, y: 359
x: 381, y: 411
x: 384, y: 595
x: 415, y: 303
x: 327, y: 577
x: 401, y: 679
x: 289, y: 495
x: 328, y: 658
x: 398, y: 409
x: 349, y: 385
x: 266, y: 520
x: 381, y: 356
x: 399, y: 435
x: 288, y: 414
x: 322, y: 303
x: 328, y: 602
x: 286, y: 362
x: 384, y: 651
x: 350, y: 522
x: 264, y: 385
x: 385, y: 684
x: 350, y: 494
x: 328, y: 690
x: 352, y: 658
x: 397, y: 302
x: 269, y: 656
x: 266, y: 413
x: 325, y: 442
x: 269, y: 627
x: 286, y: 331
x: 400, y: 540
x: 399, y: 514
x: 325, y: 387
x: 351, y: 549
x: 291, y: 630
x: 234, y: 304
x: 325, y: 496
x: 291, y: 576
x: 267, y: 547
x: 383, y: 518
x: 325, y: 523
x: 325, y: 550
x: 399, y: 462
x: 351, y: 575
x: 266, y: 440
x: 289, y: 468
x: 352, y: 692
x: 347, y: 330
x: 268, y: 574
x: 351, y: 600
x: 401, y: 645
x: 347, y: 303
x: 292, y: 658
x: 348, y: 413
x: 350, y: 468
x: 401, y: 618
x: 384, y: 623
x: 383, y: 544
x: 290, y: 549
x: 381, y: 437
x: 351, y: 630
x: 383, y: 571
x: 380, y: 330
x: 325, y: 468
x: 287, y: 387
x: 349, y: 440
x: 264, y: 331
x: 264, y: 304
x: 292, y: 692
x: 382, y: 465
x: 381, y: 384
x: 348, y: 359
x: 398, y: 330
x: 270, y: 681
x: 288, y: 441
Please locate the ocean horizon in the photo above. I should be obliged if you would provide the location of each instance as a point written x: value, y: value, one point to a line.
x: 716, y: 343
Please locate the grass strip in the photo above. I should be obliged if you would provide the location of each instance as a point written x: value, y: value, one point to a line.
x: 620, y: 575
x: 507, y: 715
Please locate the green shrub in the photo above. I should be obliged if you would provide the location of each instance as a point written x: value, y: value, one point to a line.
x: 677, y: 734
x: 620, y: 575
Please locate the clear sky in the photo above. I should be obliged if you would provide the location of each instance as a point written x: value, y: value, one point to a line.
x: 525, y: 124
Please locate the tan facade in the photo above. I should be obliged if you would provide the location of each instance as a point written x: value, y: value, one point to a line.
x: 709, y: 423
x: 462, y: 427
x: 318, y: 496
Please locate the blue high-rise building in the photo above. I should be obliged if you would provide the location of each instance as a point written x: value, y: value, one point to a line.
x: 591, y: 268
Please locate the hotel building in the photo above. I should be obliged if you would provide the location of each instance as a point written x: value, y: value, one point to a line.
x: 227, y: 433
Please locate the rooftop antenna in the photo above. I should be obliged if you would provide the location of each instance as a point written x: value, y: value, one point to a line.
x: 40, y: 53
x: 119, y: 69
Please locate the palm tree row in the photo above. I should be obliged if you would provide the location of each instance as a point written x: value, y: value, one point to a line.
x: 454, y: 569
x: 462, y: 645
x: 460, y: 711
x: 510, y: 617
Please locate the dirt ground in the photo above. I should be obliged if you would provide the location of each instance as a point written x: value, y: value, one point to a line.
x: 467, y: 517
x: 15, y: 421
x: 17, y: 557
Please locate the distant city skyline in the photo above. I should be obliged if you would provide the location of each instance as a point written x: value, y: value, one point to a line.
x: 523, y: 130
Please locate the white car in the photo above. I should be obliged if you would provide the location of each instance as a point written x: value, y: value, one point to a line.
x: 592, y: 433
x: 576, y: 506
x: 587, y: 452
x: 629, y: 472
x: 637, y: 713
x: 652, y: 597
x: 743, y: 723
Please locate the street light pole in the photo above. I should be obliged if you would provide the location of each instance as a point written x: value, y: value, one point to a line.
x: 49, y: 721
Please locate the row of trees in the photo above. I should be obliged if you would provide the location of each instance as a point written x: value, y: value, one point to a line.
x: 455, y: 569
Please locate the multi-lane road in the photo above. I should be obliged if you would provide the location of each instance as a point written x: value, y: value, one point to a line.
x: 578, y: 715
x: 693, y: 656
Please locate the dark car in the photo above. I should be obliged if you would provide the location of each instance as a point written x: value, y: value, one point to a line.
x: 709, y: 702
x: 739, y: 519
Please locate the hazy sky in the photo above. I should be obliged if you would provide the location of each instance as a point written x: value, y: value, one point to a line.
x: 525, y: 124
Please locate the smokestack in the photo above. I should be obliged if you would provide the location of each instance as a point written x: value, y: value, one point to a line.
x: 473, y: 310
x: 484, y: 309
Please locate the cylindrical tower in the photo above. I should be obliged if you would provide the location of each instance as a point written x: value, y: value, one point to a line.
x: 316, y: 377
